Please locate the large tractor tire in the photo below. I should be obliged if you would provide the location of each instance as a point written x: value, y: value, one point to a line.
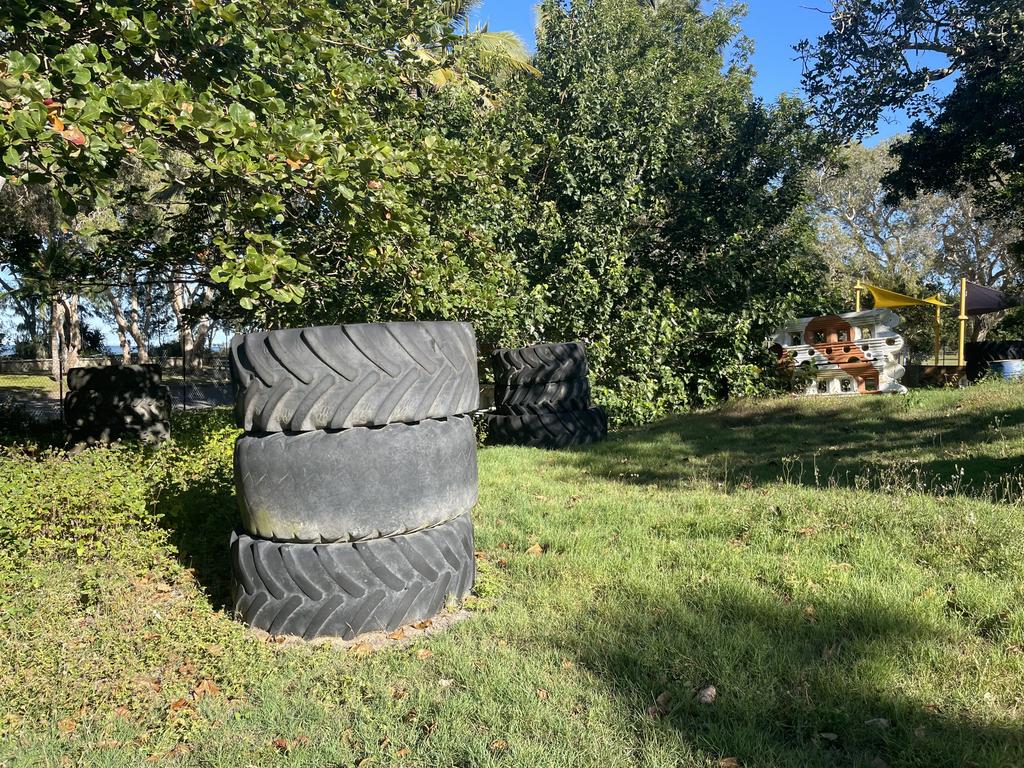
x: 558, y: 429
x: 343, y: 590
x: 335, y: 377
x: 539, y: 364
x: 356, y: 483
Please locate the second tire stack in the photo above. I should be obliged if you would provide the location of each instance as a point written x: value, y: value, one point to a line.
x: 355, y: 476
x: 116, y: 402
x: 542, y: 398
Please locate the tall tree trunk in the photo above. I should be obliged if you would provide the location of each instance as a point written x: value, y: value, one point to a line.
x: 122, y: 326
x: 73, y: 347
x: 56, y: 337
x: 141, y: 342
x: 192, y: 339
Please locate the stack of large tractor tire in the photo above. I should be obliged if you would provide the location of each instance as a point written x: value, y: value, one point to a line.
x: 542, y: 398
x: 122, y: 402
x: 355, y: 476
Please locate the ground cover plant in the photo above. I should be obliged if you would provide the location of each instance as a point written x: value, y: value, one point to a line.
x: 843, y: 572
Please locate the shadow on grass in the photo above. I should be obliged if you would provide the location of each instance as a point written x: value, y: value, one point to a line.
x: 197, y: 506
x: 793, y: 689
x: 863, y: 445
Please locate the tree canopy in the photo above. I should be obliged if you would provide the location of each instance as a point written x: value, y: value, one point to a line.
x: 956, y: 67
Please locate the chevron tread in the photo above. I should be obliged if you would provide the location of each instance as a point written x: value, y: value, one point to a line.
x: 344, y: 590
x: 539, y: 364
x: 560, y: 395
x: 341, y: 376
x: 557, y: 429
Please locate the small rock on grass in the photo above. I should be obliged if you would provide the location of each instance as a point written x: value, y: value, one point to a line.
x: 707, y: 695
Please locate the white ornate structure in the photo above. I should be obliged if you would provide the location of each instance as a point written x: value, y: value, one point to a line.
x: 847, y: 354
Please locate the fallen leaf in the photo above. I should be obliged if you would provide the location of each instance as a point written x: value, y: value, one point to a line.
x: 829, y: 736
x: 122, y: 712
x: 281, y: 745
x: 67, y: 725
x: 179, y: 704
x: 810, y: 530
x: 660, y: 708
x: 108, y: 744
x: 56, y: 122
x: 535, y: 551
x: 361, y: 649
x: 403, y: 752
x: 161, y: 587
x: 502, y: 562
x: 206, y: 688
x: 445, y: 682
x: 498, y: 745
x: 424, y: 653
x: 728, y: 762
x: 566, y: 664
x: 215, y: 649
x: 540, y: 497
x: 881, y: 723
x: 364, y: 762
x: 398, y: 634
x: 398, y: 692
x: 542, y: 694
x: 372, y: 184
x: 809, y: 612
x: 424, y: 624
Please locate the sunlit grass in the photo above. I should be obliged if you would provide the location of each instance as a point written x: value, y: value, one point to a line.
x: 845, y: 573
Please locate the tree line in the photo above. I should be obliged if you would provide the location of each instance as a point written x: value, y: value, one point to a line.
x: 324, y: 161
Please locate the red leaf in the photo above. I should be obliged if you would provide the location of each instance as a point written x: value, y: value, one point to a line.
x: 74, y: 136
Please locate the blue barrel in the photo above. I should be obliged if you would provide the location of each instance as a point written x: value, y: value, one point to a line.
x: 1007, y: 369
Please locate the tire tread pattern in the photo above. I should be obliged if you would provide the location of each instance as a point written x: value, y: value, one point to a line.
x: 343, y: 590
x: 539, y: 364
x: 560, y: 395
x: 341, y: 376
x: 558, y: 429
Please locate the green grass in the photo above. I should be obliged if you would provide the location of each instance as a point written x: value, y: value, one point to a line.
x: 846, y: 573
x: 19, y: 384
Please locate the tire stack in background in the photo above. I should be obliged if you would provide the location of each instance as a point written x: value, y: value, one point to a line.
x: 117, y: 402
x: 355, y: 476
x: 542, y: 398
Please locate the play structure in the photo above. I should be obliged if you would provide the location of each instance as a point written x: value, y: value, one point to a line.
x: 847, y: 354
x: 860, y: 352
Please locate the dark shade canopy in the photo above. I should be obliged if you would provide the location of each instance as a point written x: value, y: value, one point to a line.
x: 982, y: 300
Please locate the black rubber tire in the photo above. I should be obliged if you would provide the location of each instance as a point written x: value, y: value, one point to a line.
x: 573, y: 404
x: 356, y: 484
x: 340, y: 376
x: 102, y: 434
x: 539, y: 364
x: 562, y: 395
x: 553, y: 430
x: 343, y: 590
x: 116, y: 378
x: 89, y: 406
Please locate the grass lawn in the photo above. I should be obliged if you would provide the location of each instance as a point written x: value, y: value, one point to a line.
x: 19, y: 384
x: 845, y: 573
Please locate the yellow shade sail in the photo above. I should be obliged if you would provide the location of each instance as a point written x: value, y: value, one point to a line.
x: 888, y: 299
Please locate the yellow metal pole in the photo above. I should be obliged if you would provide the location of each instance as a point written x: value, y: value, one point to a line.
x: 856, y: 290
x: 938, y: 332
x: 963, y: 321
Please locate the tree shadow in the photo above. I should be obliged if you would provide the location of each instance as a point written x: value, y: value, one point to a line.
x: 877, y: 445
x: 793, y: 689
x: 196, y: 503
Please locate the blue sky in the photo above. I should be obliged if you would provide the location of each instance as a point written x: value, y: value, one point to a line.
x: 775, y: 26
